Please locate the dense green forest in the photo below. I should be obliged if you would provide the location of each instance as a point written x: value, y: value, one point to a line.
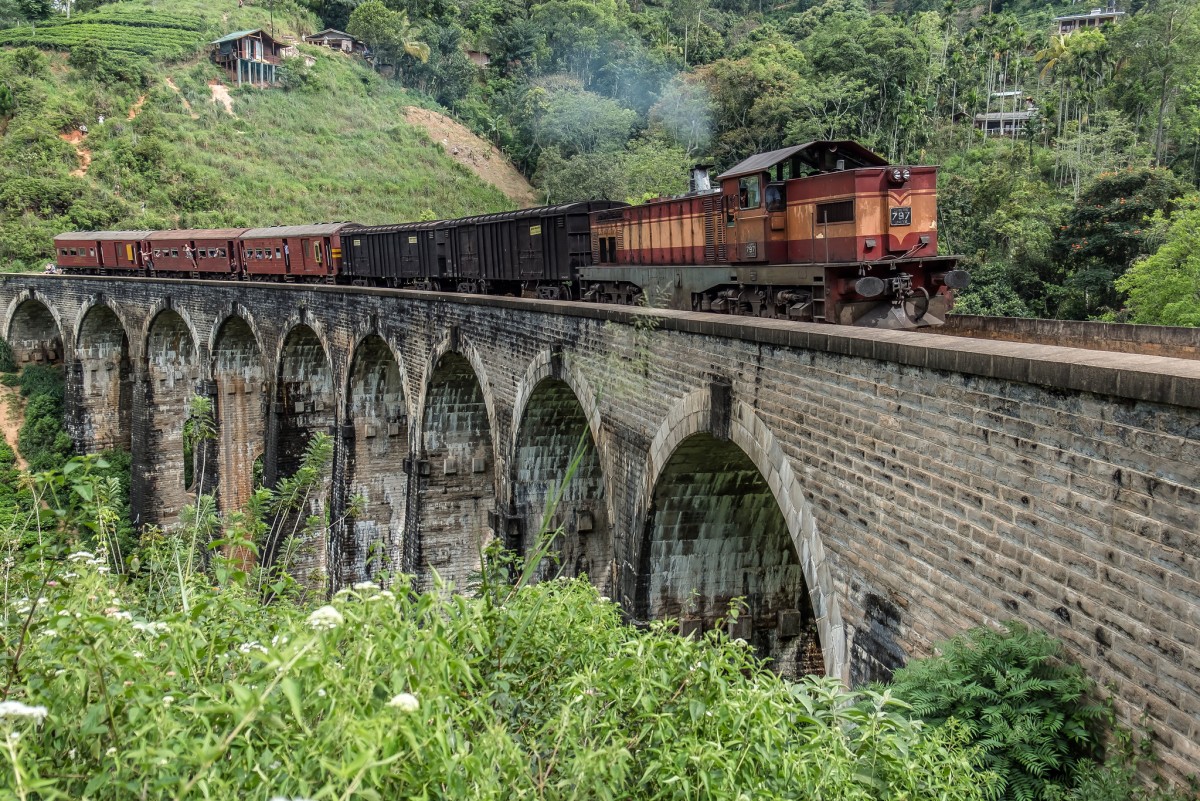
x: 1086, y: 213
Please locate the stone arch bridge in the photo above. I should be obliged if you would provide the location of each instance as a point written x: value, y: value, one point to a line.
x: 865, y: 493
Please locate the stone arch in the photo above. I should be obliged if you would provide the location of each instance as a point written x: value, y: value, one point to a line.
x: 456, y: 465
x: 554, y: 416
x: 730, y: 474
x: 34, y: 329
x: 164, y: 305
x: 239, y: 381
x: 375, y: 438
x: 172, y: 373
x: 305, y: 393
x: 105, y: 378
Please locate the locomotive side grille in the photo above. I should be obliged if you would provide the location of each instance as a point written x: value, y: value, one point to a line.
x: 595, y: 247
x: 710, y: 231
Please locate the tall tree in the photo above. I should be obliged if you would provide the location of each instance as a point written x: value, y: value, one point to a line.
x: 1161, y: 46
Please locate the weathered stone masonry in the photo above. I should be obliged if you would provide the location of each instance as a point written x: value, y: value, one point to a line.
x: 864, y: 493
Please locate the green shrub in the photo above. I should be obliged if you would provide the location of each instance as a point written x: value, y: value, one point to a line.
x: 1018, y: 700
x: 7, y: 363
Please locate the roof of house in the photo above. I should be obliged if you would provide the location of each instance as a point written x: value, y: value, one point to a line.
x: 331, y: 33
x: 1011, y: 116
x: 232, y: 37
x: 1095, y: 12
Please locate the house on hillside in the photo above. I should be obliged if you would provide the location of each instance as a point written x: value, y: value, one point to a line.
x: 338, y: 40
x: 249, y: 57
x: 479, y: 58
x: 1013, y: 112
x: 1093, y: 19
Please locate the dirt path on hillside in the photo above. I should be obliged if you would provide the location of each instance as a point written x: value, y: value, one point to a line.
x: 220, y: 96
x: 76, y: 139
x: 186, y: 105
x: 11, y: 417
x: 477, y: 155
x: 137, y: 108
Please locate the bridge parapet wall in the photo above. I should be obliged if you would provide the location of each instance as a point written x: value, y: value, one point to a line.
x: 926, y: 483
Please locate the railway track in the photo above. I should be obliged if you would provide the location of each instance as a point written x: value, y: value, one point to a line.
x: 1145, y: 340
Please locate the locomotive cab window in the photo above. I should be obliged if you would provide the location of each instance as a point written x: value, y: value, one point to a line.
x: 748, y: 192
x: 776, y: 197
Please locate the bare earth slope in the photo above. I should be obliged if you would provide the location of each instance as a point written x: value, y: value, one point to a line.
x: 477, y: 155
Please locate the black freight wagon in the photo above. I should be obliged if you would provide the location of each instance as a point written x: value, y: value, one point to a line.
x: 532, y: 251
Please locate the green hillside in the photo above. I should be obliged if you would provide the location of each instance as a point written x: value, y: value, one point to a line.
x: 331, y: 145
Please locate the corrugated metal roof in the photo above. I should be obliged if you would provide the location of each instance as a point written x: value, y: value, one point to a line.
x: 331, y: 33
x: 229, y: 37
x: 855, y: 154
x: 279, y: 231
x: 103, y: 236
x: 196, y: 233
x: 583, y: 206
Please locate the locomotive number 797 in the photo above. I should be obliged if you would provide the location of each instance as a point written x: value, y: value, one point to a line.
x: 902, y: 215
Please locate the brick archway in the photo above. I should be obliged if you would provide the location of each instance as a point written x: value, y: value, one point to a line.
x: 733, y: 431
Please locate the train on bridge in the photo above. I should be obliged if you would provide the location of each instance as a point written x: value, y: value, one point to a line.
x: 825, y: 231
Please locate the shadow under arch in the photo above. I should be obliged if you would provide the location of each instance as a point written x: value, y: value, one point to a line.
x: 455, y: 467
x: 556, y: 419
x: 749, y: 456
x: 34, y: 330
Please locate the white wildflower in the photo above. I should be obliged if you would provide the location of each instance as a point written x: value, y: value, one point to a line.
x: 102, y: 569
x: 325, y: 618
x: 112, y: 751
x: 154, y: 627
x: 71, y: 754
x: 138, y: 655
x: 80, y: 556
x: 16, y: 709
x: 363, y: 586
x: 604, y: 599
x: 168, y: 700
x: 321, y: 692
x: 117, y: 614
x: 13, y: 736
x: 405, y: 702
x: 740, y: 641
x: 391, y: 596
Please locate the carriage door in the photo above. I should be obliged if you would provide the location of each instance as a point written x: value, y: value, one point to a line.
x: 529, y: 250
x: 746, y: 218
x: 468, y: 251
x: 305, y: 244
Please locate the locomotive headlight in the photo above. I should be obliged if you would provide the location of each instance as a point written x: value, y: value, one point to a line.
x: 907, y: 173
x: 897, y: 176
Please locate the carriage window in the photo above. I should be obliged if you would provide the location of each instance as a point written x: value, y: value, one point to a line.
x: 776, y: 197
x: 221, y: 252
x: 175, y: 253
x: 317, y: 252
x: 840, y: 212
x: 748, y: 192
x: 157, y: 253
x: 267, y: 254
x: 258, y: 253
x: 62, y: 251
x: 278, y: 253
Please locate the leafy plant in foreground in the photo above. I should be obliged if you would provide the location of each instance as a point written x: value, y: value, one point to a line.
x: 1016, y: 699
